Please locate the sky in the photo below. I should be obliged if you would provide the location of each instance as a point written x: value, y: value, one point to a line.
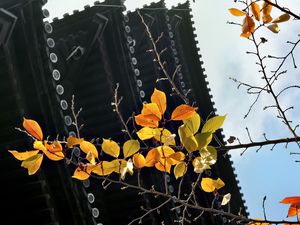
x: 267, y: 173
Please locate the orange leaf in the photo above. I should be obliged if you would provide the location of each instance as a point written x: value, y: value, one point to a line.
x: 87, y: 147
x: 183, y: 112
x: 291, y: 200
x: 165, y: 151
x: 81, y: 174
x: 248, y: 27
x: 33, y: 163
x: 55, y: 156
x: 139, y: 160
x: 151, y: 111
x: 176, y: 158
x: 294, y: 210
x: 152, y: 157
x: 236, y: 12
x: 71, y: 141
x: 266, y: 10
x: 145, y: 122
x: 54, y: 147
x: 255, y: 10
x: 159, y: 98
x: 33, y: 128
x: 23, y: 155
x: 163, y: 165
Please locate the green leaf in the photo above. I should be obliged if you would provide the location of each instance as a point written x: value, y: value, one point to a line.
x: 213, y: 124
x: 180, y: 169
x: 187, y: 139
x: 130, y: 147
x: 203, y: 139
x: 193, y: 123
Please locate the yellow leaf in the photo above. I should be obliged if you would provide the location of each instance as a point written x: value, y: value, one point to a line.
x: 226, y: 199
x: 81, y: 174
x: 147, y: 133
x: 33, y: 128
x: 33, y: 163
x: 248, y: 27
x: 152, y: 157
x: 23, y: 155
x: 145, y: 122
x: 203, y: 139
x: 209, y: 185
x: 236, y: 12
x: 193, y: 123
x: 255, y: 10
x: 111, y: 148
x: 55, y: 156
x: 165, y: 151
x: 151, y: 111
x: 274, y: 28
x: 130, y: 147
x: 209, y: 154
x: 219, y: 183
x: 200, y: 165
x: 180, y: 169
x: 283, y: 18
x: 213, y: 124
x: 54, y: 147
x: 266, y: 11
x: 159, y: 98
x: 139, y: 160
x: 87, y: 147
x: 187, y: 139
x: 71, y: 141
x: 104, y: 168
x: 183, y: 112
x: 91, y: 158
x: 119, y: 165
x: 164, y: 136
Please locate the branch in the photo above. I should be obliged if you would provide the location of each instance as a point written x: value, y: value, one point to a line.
x: 283, y: 9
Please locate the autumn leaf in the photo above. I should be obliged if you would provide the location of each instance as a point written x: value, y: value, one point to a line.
x: 81, y: 174
x: 33, y: 128
x: 54, y: 147
x: 87, y: 147
x: 152, y: 157
x: 164, y: 136
x: 213, y: 124
x: 147, y: 133
x: 209, y: 154
x: 91, y: 158
x: 145, y: 122
x: 193, y: 123
x: 295, y: 205
x: 130, y: 147
x: 71, y: 141
x: 236, y: 12
x: 248, y: 27
x: 111, y: 148
x: 176, y: 157
x: 159, y: 98
x: 209, y: 185
x: 187, y: 139
x: 200, y: 165
x: 33, y: 163
x: 226, y: 199
x: 104, y: 168
x: 139, y: 160
x: 259, y: 223
x: 151, y: 111
x: 283, y: 18
x: 266, y: 11
x: 203, y: 139
x: 55, y: 156
x: 23, y: 155
x: 255, y: 9
x: 274, y: 28
x: 183, y: 112
x: 180, y: 169
x: 163, y: 165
